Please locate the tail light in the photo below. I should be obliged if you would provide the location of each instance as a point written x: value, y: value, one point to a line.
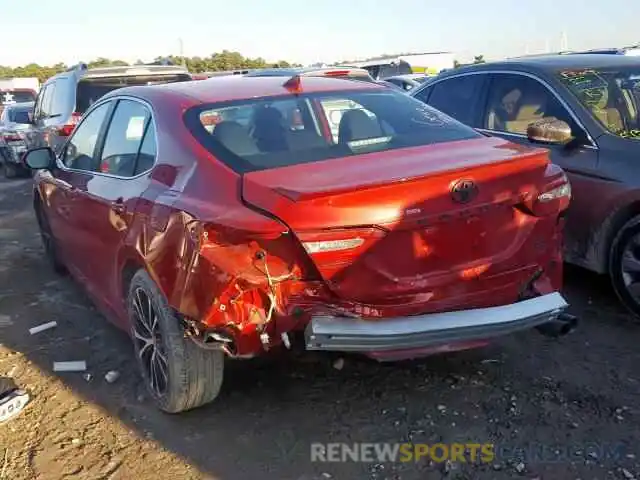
x: 13, y: 136
x: 332, y: 250
x: 256, y: 256
x: 67, y: 129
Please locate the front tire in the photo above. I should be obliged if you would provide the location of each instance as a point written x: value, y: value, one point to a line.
x: 624, y: 265
x: 49, y: 243
x: 178, y: 374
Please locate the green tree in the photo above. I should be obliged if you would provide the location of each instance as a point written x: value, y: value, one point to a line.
x: 478, y: 59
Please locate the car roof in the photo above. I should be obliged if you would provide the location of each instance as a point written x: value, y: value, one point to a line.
x: 567, y: 61
x: 238, y: 87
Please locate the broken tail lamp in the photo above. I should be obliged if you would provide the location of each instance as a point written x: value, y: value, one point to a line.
x: 67, y: 129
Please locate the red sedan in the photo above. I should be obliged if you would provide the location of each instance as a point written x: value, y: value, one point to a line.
x: 237, y: 215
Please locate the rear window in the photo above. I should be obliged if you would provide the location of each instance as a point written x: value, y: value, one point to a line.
x: 92, y: 89
x: 19, y: 115
x: 8, y: 97
x: 272, y: 132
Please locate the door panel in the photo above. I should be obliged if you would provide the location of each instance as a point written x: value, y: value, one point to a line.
x: 110, y: 197
x: 513, y: 102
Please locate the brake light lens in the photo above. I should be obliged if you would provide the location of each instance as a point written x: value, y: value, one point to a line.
x: 332, y: 245
x: 68, y: 128
x: 13, y: 137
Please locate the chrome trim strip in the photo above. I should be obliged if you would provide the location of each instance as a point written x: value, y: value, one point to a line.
x: 356, y: 335
x: 515, y: 72
x: 521, y: 136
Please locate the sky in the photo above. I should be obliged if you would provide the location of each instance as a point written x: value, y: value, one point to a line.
x: 51, y: 31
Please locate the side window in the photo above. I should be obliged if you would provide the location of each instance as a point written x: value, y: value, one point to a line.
x: 124, y: 138
x: 37, y: 113
x: 147, y: 155
x: 458, y: 97
x: 59, y: 97
x: 79, y: 153
x: 423, y: 95
x: 45, y: 107
x: 516, y: 101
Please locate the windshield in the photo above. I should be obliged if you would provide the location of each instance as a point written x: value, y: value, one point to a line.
x: 273, y: 132
x: 19, y: 115
x: 92, y: 89
x: 8, y: 97
x: 612, y: 96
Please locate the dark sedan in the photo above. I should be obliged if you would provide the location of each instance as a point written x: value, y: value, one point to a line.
x: 598, y: 98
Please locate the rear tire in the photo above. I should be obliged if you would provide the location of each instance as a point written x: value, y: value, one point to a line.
x: 624, y: 265
x: 178, y: 374
x: 10, y: 171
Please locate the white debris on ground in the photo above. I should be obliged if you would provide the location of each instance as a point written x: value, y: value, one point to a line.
x: 73, y: 366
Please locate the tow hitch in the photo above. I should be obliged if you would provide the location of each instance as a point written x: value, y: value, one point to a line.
x: 564, y: 324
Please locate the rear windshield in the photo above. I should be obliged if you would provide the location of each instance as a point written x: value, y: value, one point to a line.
x: 19, y: 115
x: 92, y: 89
x: 8, y: 97
x: 272, y: 132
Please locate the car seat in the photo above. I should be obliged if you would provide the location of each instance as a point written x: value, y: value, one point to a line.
x: 268, y: 130
x: 235, y: 138
x: 355, y: 124
x: 597, y: 99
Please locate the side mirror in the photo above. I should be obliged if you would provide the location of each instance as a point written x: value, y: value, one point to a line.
x: 40, y: 158
x: 550, y: 131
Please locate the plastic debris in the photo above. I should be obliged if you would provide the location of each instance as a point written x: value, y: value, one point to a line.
x: 12, y: 399
x: 87, y: 377
x: 112, y: 376
x: 43, y: 327
x: 75, y: 366
x: 339, y: 364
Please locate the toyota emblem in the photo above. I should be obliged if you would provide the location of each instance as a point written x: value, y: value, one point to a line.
x: 463, y: 191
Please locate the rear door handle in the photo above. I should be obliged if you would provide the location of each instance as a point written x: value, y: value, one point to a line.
x: 118, y: 206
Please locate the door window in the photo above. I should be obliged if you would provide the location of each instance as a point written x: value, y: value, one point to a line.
x: 516, y: 101
x: 458, y: 97
x: 124, y: 138
x: 79, y: 153
x: 43, y: 98
x: 147, y: 155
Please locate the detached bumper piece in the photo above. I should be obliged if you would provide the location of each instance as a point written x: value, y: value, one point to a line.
x: 354, y: 335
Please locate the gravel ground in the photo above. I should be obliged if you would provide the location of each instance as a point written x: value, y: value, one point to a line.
x: 574, y: 394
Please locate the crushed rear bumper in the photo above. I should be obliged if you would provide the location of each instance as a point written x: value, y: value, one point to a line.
x: 331, y: 333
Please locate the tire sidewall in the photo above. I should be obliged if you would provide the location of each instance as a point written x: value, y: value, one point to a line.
x: 180, y: 351
x: 620, y: 242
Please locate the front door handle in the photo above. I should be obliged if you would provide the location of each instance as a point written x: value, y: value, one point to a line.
x: 118, y: 206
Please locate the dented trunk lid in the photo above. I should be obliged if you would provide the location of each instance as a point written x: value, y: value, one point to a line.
x: 382, y: 225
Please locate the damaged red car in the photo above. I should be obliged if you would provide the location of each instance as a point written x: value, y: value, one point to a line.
x: 230, y: 217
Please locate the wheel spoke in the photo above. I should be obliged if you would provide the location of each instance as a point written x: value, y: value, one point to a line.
x: 634, y: 289
x: 630, y: 263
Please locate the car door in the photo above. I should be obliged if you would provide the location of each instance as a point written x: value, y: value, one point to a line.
x: 512, y: 103
x: 126, y: 156
x: 66, y: 214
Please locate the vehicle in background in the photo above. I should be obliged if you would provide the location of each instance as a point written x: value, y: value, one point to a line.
x: 405, y: 235
x: 597, y: 97
x: 15, y: 120
x: 219, y: 73
x: 18, y: 90
x: 65, y: 97
x: 633, y: 51
x: 409, y: 81
x: 425, y: 63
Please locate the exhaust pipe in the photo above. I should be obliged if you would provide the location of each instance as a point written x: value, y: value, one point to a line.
x: 565, y: 323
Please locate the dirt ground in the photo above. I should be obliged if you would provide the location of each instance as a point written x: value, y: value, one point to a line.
x: 578, y: 393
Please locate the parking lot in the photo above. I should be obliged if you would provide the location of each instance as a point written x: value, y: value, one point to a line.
x: 578, y: 392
